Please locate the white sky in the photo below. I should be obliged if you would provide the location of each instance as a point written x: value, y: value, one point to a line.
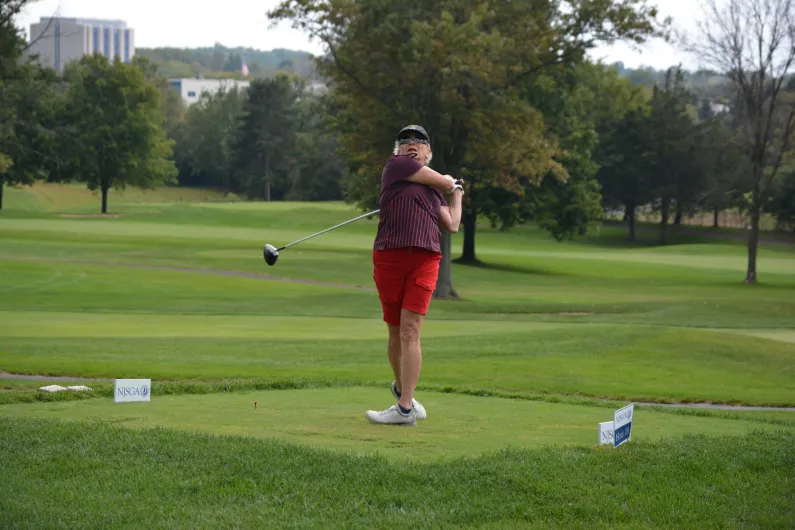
x: 182, y: 23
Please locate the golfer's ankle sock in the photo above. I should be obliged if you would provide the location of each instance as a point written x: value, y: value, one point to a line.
x: 404, y: 411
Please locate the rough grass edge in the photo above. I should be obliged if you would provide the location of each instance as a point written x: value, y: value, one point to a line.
x: 163, y: 388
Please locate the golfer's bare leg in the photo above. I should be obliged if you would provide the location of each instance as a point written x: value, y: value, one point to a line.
x: 394, y: 352
x: 411, y: 358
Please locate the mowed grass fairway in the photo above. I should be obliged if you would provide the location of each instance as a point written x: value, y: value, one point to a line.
x: 547, y: 340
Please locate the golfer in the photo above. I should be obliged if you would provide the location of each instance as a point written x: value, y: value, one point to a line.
x: 406, y: 256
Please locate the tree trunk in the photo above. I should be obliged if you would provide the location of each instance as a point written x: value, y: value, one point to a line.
x: 753, y: 237
x: 715, y: 214
x: 444, y: 285
x: 630, y: 215
x: 267, y: 180
x: 2, y: 183
x: 678, y: 215
x: 469, y: 221
x: 104, y: 199
x: 666, y: 204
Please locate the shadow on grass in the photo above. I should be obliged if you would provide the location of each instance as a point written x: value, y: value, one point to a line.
x: 503, y: 267
x: 760, y: 285
x: 614, y: 234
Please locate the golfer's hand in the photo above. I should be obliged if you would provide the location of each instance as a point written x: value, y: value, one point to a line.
x: 450, y: 183
x: 458, y: 188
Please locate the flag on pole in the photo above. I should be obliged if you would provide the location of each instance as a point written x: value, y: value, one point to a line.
x: 244, y: 68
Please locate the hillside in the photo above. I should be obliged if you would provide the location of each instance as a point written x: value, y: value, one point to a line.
x: 220, y: 61
x: 702, y: 84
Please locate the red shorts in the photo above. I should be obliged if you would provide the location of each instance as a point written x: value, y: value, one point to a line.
x: 405, y: 279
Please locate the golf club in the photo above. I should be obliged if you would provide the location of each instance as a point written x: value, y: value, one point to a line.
x: 271, y: 253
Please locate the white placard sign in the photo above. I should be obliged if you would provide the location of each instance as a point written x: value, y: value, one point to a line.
x: 622, y: 425
x: 606, y: 433
x: 128, y: 390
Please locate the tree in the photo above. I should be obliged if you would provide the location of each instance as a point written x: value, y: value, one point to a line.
x: 234, y: 62
x: 569, y: 207
x: 618, y: 111
x: 319, y: 170
x: 723, y: 167
x: 263, y: 149
x: 30, y: 104
x: 673, y: 163
x: 626, y: 156
x: 288, y: 65
x: 753, y: 43
x: 203, y: 150
x: 782, y: 201
x: 454, y: 66
x: 32, y: 149
x: 116, y: 129
x: 172, y: 106
x: 217, y: 61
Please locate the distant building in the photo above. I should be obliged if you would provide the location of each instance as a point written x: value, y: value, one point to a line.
x: 719, y: 108
x: 317, y: 88
x: 59, y: 41
x: 191, y: 88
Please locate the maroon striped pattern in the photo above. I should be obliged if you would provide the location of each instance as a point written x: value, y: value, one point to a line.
x: 409, y: 217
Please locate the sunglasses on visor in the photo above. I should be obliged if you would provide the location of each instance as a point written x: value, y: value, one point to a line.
x: 416, y: 139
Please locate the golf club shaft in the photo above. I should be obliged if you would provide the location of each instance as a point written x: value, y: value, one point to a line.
x: 327, y: 229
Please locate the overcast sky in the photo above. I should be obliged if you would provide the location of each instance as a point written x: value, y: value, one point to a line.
x: 182, y: 23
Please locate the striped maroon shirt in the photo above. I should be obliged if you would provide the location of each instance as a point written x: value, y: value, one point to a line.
x: 409, y: 214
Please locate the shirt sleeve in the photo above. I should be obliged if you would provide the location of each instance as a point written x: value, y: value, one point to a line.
x: 399, y: 167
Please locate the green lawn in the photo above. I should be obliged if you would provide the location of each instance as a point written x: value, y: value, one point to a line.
x: 102, y: 475
x: 77, y: 199
x: 173, y: 287
x: 457, y: 425
x: 646, y: 363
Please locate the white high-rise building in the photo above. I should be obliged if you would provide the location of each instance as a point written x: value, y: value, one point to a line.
x: 59, y: 41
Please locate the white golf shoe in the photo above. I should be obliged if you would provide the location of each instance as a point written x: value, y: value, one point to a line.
x: 392, y: 416
x: 419, y: 410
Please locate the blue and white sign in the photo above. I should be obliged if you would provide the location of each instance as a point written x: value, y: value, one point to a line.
x: 128, y: 390
x: 622, y: 425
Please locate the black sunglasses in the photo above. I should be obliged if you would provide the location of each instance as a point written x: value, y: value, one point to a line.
x: 416, y: 139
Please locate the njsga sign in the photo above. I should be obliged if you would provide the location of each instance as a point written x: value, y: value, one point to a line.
x: 618, y: 431
x: 128, y: 390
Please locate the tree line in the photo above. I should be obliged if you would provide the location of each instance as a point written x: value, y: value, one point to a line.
x: 540, y: 133
x: 222, y: 61
x: 110, y: 125
x: 543, y: 135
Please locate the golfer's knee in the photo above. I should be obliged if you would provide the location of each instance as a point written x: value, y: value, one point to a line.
x: 409, y: 331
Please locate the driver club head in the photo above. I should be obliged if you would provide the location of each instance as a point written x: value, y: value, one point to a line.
x: 271, y: 254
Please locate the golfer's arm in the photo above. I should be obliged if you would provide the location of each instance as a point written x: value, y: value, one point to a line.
x: 431, y: 178
x: 450, y: 216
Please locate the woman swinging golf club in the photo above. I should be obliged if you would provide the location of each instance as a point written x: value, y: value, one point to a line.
x: 406, y: 256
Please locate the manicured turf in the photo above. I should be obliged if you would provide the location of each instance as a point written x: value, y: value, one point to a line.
x: 76, y: 198
x: 457, y: 425
x: 622, y: 362
x: 542, y: 316
x: 178, y: 291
